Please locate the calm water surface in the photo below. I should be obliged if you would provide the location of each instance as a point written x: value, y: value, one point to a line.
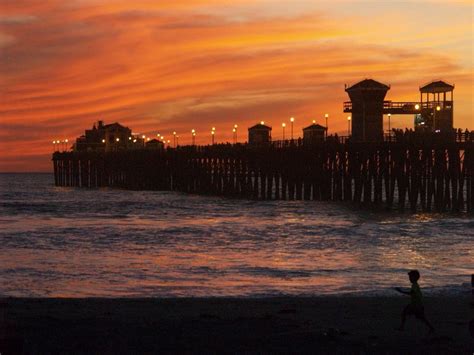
x: 78, y: 243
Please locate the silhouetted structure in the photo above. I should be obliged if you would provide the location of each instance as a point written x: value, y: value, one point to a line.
x: 436, y: 103
x: 155, y: 144
x: 433, y: 170
x: 427, y: 174
x: 104, y: 138
x: 260, y: 134
x: 314, y: 133
x: 367, y: 98
x: 433, y: 113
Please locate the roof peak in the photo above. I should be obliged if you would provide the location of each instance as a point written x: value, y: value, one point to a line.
x: 368, y: 84
x: 437, y: 86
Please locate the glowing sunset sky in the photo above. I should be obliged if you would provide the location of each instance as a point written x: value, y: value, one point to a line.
x: 159, y: 66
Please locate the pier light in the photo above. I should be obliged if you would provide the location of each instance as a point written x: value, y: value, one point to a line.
x: 389, y: 128
x: 193, y: 131
x: 326, y: 116
x: 438, y: 108
x: 134, y: 141
x: 314, y: 121
x: 103, y: 140
x: 262, y: 122
x: 292, y: 120
x: 213, y: 132
x: 143, y: 137
x: 234, y: 135
x: 117, y: 139
x: 148, y: 139
x: 67, y: 140
x: 348, y: 125
x: 54, y: 142
x: 129, y: 138
x: 283, y: 125
x: 417, y: 107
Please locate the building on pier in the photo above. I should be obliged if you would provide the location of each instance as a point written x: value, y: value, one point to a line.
x: 155, y: 144
x: 260, y: 134
x: 436, y: 107
x: 314, y: 133
x: 104, y: 137
x: 433, y: 113
x: 367, y: 101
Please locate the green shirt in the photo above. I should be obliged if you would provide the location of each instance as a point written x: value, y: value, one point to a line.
x: 415, y: 293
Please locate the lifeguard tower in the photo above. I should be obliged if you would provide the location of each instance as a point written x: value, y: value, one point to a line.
x: 433, y: 113
x: 436, y: 103
x: 367, y: 106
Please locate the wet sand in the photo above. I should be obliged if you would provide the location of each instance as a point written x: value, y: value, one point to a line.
x: 223, y: 325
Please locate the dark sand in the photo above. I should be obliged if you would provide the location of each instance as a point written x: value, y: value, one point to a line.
x: 221, y: 325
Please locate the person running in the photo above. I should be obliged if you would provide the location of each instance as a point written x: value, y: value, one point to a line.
x: 415, y: 307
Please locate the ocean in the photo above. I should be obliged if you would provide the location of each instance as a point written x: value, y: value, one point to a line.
x: 71, y: 242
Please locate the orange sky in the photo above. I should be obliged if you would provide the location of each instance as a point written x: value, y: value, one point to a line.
x: 200, y: 63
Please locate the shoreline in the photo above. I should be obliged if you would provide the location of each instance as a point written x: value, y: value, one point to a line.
x: 323, y: 324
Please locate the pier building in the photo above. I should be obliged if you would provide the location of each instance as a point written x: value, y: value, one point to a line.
x: 260, y: 134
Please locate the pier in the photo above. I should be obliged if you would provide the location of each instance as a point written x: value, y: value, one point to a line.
x: 420, y: 176
x: 430, y: 168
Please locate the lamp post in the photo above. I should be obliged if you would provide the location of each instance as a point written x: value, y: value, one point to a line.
x: 389, y: 124
x: 66, y: 141
x: 213, y: 134
x: 174, y: 139
x: 177, y: 140
x: 438, y: 108
x: 235, y: 133
x: 292, y: 120
x: 348, y: 126
x: 193, y: 134
x: 326, y: 116
x: 143, y: 138
x: 283, y: 125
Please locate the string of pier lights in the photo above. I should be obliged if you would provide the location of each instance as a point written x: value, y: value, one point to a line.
x: 60, y: 145
x: 235, y: 127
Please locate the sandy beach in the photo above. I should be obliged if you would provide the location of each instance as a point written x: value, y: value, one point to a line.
x: 230, y: 325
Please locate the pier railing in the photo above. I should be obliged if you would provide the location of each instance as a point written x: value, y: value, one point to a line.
x: 426, y: 176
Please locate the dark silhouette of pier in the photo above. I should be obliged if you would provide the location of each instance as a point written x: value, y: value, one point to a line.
x: 430, y: 168
x: 431, y: 174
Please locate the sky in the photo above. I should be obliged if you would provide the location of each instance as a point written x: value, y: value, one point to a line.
x: 164, y: 66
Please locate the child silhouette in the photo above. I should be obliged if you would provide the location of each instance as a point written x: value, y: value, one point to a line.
x: 416, y: 305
